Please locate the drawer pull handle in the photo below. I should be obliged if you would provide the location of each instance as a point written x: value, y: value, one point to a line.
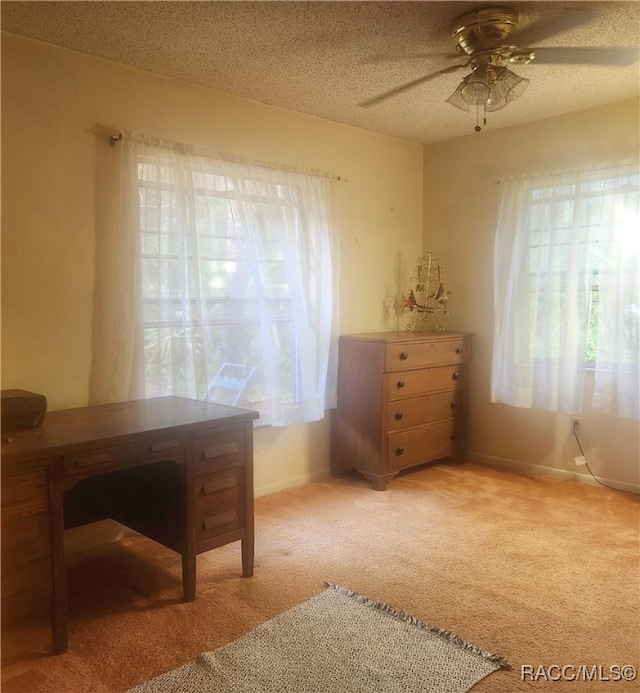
x: 458, y: 350
x: 456, y: 376
x: 162, y: 445
x: 399, y: 451
x: 91, y: 460
x: 219, y: 520
x: 454, y: 405
x: 399, y: 415
x: 404, y: 356
x: 400, y: 384
x: 453, y: 436
x: 214, y: 451
x: 218, y: 485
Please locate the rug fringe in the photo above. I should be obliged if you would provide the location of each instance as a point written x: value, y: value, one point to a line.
x: 448, y: 635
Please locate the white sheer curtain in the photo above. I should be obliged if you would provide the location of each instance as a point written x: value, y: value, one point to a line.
x: 216, y: 267
x: 567, y: 291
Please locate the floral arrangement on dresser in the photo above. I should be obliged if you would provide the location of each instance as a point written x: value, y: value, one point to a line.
x: 426, y: 303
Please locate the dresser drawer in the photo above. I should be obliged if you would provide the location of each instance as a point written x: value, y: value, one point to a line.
x: 225, y: 447
x: 422, y: 444
x: 423, y: 381
x: 406, y: 355
x: 415, y: 411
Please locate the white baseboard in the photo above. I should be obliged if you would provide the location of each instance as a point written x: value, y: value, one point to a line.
x: 538, y: 469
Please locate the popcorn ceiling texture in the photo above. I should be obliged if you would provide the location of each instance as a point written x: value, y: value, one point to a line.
x: 324, y: 58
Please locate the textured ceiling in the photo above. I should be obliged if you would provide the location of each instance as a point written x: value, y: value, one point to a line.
x: 326, y: 58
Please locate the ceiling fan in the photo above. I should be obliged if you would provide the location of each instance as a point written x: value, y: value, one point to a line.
x: 489, y: 39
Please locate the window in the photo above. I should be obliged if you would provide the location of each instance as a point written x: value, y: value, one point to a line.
x: 567, y: 291
x: 235, y: 282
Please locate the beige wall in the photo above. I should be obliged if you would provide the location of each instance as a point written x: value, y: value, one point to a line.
x: 53, y: 101
x: 460, y: 212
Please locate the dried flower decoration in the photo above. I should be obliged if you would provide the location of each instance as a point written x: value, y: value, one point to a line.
x: 427, y: 300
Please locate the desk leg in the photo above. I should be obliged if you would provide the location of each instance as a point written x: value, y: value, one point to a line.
x: 189, y: 545
x: 189, y: 574
x: 247, y: 555
x: 59, y: 610
x: 249, y: 537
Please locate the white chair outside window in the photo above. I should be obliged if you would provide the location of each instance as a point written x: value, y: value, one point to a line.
x: 229, y: 383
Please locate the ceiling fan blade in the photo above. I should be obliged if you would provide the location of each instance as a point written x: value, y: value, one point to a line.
x: 539, y: 31
x: 587, y: 56
x: 375, y: 59
x: 409, y: 85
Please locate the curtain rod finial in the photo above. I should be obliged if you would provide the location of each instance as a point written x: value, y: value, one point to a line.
x: 115, y: 138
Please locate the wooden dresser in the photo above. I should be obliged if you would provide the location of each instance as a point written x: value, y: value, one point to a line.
x: 401, y: 402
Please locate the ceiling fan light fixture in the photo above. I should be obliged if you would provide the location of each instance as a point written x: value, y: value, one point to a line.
x: 492, y: 89
x: 513, y: 85
x: 506, y: 88
x: 518, y: 90
x: 475, y: 88
x: 497, y: 98
x: 456, y: 99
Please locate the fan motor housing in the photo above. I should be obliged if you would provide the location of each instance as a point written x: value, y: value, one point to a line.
x: 483, y: 29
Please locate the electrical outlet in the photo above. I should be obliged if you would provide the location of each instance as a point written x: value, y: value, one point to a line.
x: 579, y: 460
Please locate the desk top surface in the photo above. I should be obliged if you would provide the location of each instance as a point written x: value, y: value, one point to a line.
x: 65, y: 431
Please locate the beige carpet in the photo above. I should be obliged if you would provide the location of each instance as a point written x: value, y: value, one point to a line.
x: 543, y: 572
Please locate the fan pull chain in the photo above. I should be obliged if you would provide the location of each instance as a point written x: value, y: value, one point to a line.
x: 478, y: 128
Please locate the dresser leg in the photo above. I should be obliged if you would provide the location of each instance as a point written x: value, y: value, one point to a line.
x: 378, y: 481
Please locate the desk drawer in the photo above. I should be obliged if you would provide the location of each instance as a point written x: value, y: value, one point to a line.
x: 225, y: 447
x: 406, y: 355
x: 25, y: 539
x: 26, y: 544
x: 24, y: 494
x: 424, y: 380
x: 218, y: 518
x: 219, y: 486
x: 26, y: 590
x: 101, y: 460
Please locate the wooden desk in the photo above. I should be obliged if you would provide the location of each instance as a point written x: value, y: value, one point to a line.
x: 179, y: 471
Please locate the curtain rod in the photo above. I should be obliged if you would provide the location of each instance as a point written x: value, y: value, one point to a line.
x: 178, y: 146
x: 586, y: 168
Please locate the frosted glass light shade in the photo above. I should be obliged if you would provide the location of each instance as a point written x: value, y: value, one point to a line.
x: 476, y: 89
x: 456, y: 99
x: 493, y: 91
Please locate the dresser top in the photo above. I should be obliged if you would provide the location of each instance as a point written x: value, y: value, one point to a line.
x: 404, y: 336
